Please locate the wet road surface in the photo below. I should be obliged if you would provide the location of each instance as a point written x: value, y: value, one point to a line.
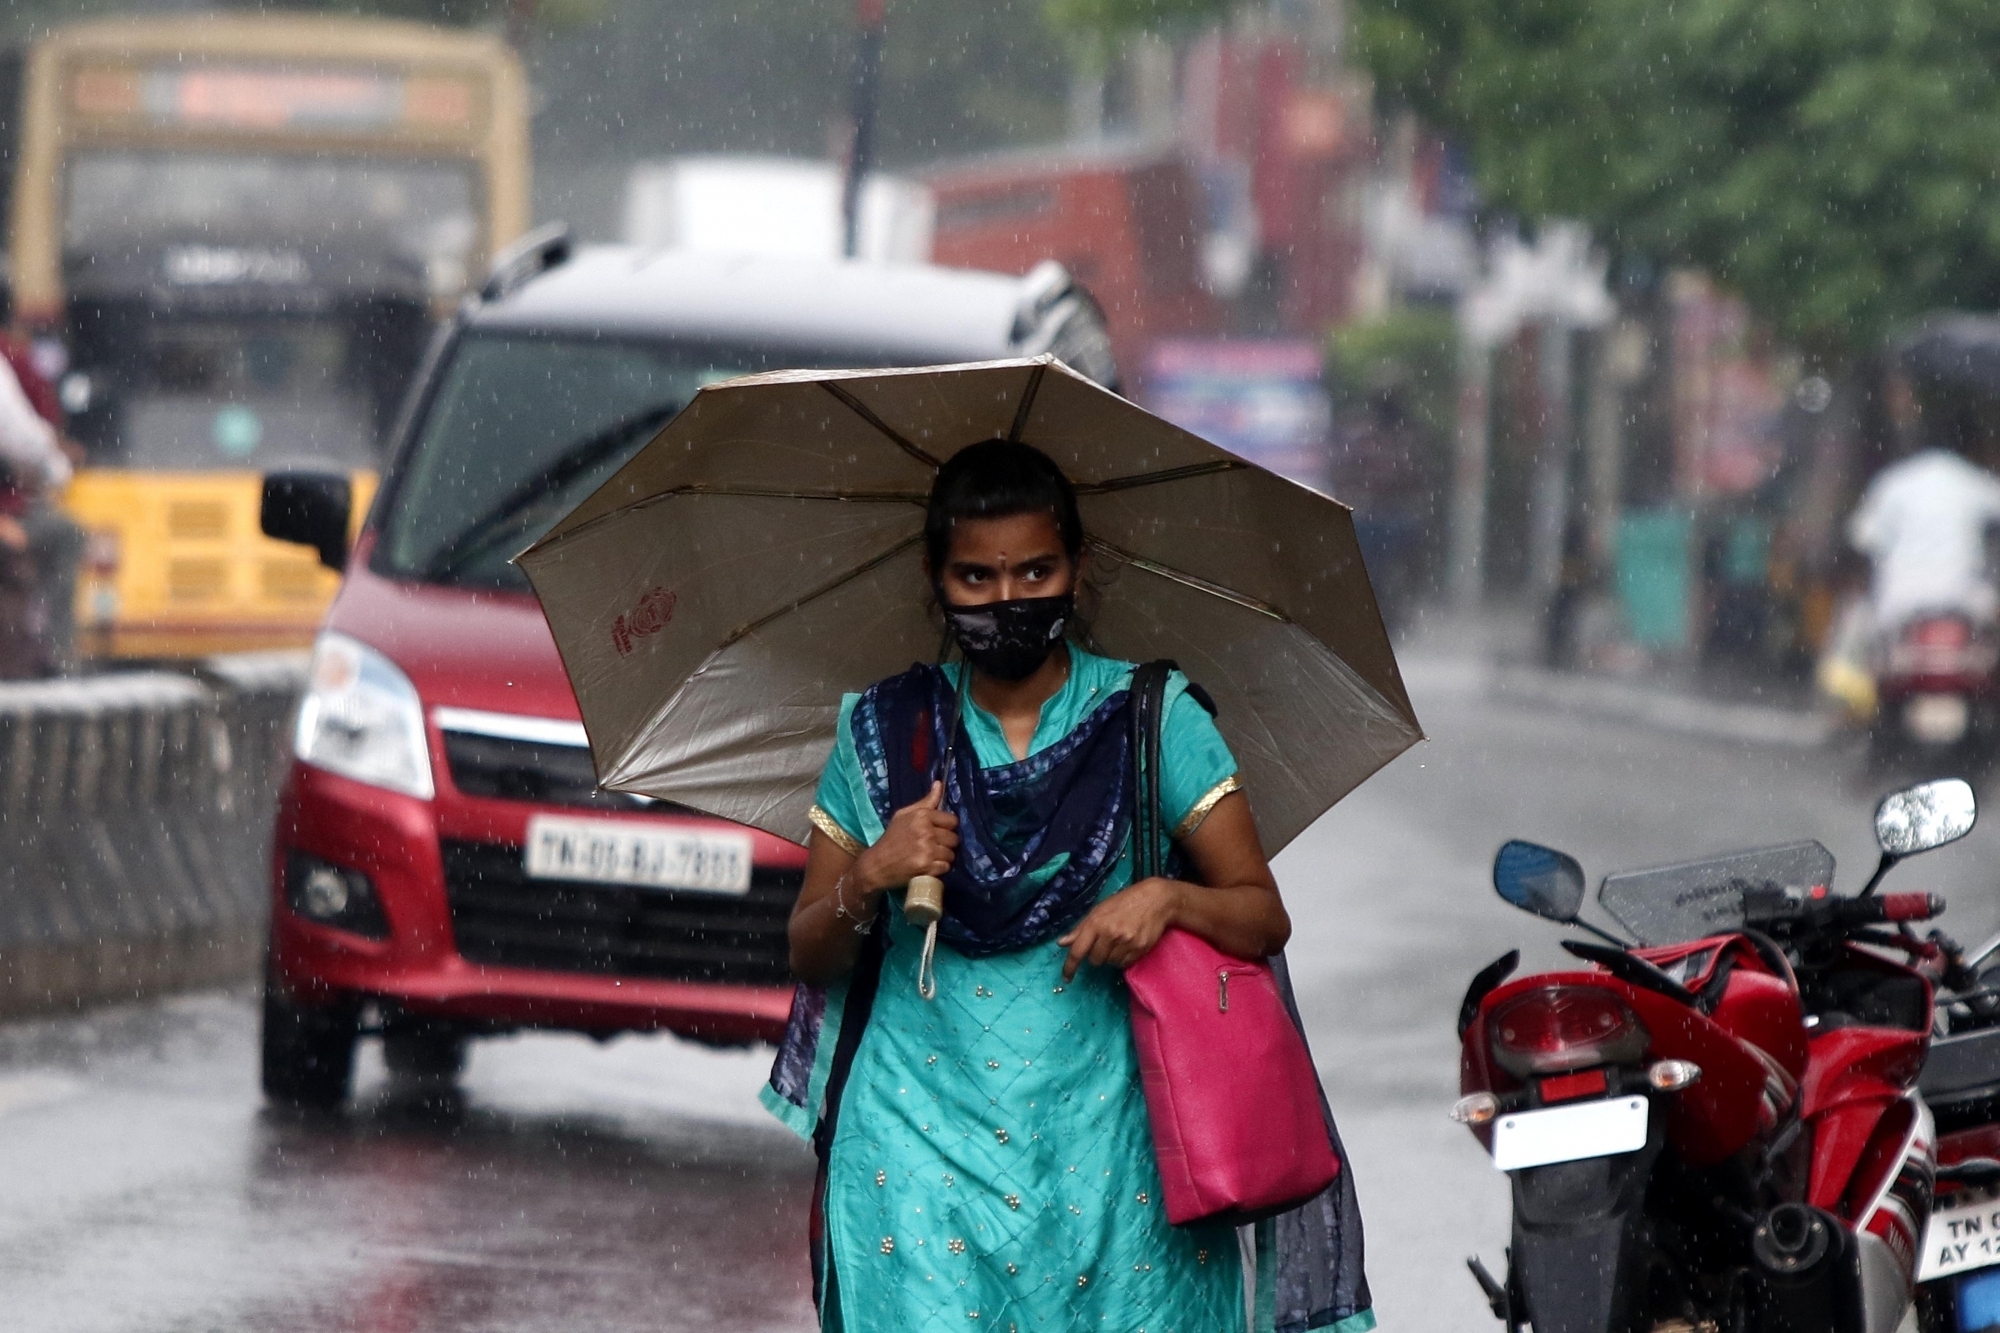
x: 637, y: 1186
x: 569, y: 1187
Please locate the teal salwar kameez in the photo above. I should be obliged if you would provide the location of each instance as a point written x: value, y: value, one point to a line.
x: 991, y: 1165
x: 987, y: 1153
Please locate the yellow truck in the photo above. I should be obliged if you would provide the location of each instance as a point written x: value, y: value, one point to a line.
x: 231, y: 236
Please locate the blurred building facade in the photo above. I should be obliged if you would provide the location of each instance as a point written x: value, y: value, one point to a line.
x: 1125, y: 218
x: 1217, y: 191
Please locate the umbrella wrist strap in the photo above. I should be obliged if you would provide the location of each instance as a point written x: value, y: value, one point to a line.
x: 926, y: 967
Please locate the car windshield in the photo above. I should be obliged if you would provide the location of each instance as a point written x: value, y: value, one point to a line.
x: 1670, y: 904
x: 520, y: 429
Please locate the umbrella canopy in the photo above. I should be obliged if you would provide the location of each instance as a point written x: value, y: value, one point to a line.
x: 1954, y: 349
x: 764, y: 554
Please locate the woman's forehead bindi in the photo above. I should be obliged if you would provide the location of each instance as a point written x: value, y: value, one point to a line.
x: 1033, y: 533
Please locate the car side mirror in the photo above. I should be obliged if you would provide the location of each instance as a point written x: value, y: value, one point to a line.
x: 1927, y: 816
x: 312, y: 509
x: 1539, y: 879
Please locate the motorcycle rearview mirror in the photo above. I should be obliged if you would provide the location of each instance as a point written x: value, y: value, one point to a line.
x: 1925, y: 816
x: 1539, y: 879
x: 1921, y: 819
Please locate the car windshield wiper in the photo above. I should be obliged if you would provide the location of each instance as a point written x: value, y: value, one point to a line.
x: 478, y: 537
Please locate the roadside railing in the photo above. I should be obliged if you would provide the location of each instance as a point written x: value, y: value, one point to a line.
x: 135, y: 821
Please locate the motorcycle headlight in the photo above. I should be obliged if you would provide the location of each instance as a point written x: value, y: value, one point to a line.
x: 361, y: 718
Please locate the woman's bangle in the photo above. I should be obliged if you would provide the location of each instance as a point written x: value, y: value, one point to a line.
x: 840, y: 907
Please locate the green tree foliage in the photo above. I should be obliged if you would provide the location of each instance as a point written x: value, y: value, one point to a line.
x: 1834, y: 160
x: 1411, y: 353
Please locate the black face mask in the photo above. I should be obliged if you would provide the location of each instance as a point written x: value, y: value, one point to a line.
x: 1009, y: 640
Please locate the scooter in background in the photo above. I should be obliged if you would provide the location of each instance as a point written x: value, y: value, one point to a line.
x: 1714, y: 1127
x: 1938, y: 696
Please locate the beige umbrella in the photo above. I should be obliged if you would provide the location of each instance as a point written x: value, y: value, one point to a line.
x: 764, y: 554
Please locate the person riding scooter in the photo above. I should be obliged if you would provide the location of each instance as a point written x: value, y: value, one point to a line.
x: 1925, y: 524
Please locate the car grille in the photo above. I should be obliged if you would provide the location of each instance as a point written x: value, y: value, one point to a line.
x: 516, y: 770
x: 502, y: 917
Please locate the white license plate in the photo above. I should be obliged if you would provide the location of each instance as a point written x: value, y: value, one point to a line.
x: 1958, y: 1240
x: 1522, y: 1139
x: 603, y: 852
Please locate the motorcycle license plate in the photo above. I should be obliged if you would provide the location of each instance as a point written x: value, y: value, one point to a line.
x: 1522, y: 1139
x: 1960, y: 1239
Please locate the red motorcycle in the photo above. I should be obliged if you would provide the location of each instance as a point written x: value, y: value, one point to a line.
x: 1958, y: 1269
x: 1714, y: 1127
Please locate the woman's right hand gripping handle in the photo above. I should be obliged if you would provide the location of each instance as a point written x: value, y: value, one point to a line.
x: 842, y: 893
x: 922, y: 839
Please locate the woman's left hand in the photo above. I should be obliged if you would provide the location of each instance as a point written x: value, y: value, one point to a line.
x: 1232, y: 903
x: 1124, y: 927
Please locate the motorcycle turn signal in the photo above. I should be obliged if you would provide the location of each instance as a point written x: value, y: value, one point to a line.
x: 1672, y: 1075
x: 1475, y: 1108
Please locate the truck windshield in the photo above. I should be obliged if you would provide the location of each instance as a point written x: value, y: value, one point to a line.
x: 201, y: 222
x: 519, y: 430
x: 239, y: 311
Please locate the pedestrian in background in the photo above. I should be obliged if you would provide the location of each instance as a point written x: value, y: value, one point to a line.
x: 55, y: 540
x: 33, y: 470
x: 986, y: 1153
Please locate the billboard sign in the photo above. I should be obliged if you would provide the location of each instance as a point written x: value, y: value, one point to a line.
x: 1261, y: 399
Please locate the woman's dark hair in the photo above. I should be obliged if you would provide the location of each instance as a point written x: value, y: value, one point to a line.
x: 999, y: 479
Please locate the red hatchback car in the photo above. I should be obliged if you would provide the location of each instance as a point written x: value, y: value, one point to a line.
x: 444, y: 865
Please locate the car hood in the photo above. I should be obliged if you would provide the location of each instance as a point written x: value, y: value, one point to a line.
x: 461, y: 647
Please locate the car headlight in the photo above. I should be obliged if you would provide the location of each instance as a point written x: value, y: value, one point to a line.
x: 361, y: 718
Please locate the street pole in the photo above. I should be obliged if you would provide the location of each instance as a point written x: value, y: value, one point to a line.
x: 1550, y: 516
x: 1469, y: 460
x: 869, y: 21
x: 1618, y: 360
x: 1557, y: 286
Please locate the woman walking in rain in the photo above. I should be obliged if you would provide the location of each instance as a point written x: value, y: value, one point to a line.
x: 986, y: 1156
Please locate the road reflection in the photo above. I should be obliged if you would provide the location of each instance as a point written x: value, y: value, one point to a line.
x: 446, y: 1215
x: 619, y: 1189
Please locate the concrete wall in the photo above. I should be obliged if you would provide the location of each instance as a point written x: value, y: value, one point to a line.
x: 135, y: 820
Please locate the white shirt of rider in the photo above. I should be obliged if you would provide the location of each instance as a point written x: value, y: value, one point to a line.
x: 1923, y: 522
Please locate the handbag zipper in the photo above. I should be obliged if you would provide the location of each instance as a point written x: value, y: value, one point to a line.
x: 1222, y: 991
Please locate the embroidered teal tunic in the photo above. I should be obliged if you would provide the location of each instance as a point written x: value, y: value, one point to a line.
x: 992, y: 1166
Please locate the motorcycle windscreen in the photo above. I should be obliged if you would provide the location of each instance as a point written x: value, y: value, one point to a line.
x: 1672, y: 904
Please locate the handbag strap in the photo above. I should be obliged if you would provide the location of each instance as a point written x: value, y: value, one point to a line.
x: 1149, y: 706
x: 1148, y: 692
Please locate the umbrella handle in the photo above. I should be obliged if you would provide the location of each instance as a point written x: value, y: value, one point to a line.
x: 923, y: 904
x: 923, y: 901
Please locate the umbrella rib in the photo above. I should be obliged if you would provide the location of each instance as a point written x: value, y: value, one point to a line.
x: 742, y: 493
x: 1028, y: 393
x: 1188, y: 580
x: 1152, y: 478
x: 738, y: 635
x: 777, y: 493
x: 861, y: 409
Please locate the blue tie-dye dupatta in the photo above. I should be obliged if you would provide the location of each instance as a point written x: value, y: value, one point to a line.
x: 1036, y: 837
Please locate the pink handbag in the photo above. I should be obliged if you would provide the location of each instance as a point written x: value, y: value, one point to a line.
x: 1234, y: 1101
x: 1230, y: 1088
